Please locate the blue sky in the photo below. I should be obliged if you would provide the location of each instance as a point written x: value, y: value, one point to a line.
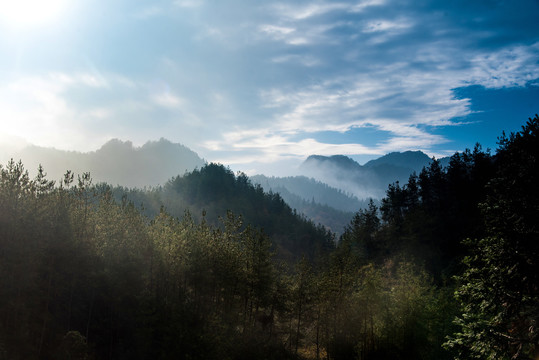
x: 260, y: 85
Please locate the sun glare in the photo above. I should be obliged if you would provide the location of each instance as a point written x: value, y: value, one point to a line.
x: 30, y: 13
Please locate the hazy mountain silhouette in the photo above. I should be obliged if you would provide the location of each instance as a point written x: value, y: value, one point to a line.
x: 414, y: 160
x: 333, y: 219
x: 334, y: 187
x: 310, y: 190
x: 369, y: 180
x: 317, y: 201
x: 116, y: 162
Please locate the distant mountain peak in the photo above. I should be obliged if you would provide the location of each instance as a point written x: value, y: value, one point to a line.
x: 338, y: 160
x: 369, y: 180
x: 118, y: 162
x: 161, y: 142
x: 414, y: 160
x: 116, y: 144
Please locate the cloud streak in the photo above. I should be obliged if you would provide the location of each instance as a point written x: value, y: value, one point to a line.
x: 405, y: 89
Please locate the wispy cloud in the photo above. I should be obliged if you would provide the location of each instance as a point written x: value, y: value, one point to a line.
x: 306, y: 60
x: 148, y: 12
x: 399, y: 99
x: 387, y: 25
x: 303, y: 12
x: 167, y: 100
x: 189, y: 3
x: 308, y: 11
x: 513, y: 66
x: 67, y: 110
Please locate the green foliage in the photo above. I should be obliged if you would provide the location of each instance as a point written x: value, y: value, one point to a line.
x: 379, y: 312
x: 428, y: 217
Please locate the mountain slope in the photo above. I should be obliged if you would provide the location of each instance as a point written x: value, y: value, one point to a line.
x: 213, y: 190
x: 415, y: 160
x: 310, y: 190
x: 317, y: 201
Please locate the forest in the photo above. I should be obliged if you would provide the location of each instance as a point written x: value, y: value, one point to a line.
x: 210, y: 266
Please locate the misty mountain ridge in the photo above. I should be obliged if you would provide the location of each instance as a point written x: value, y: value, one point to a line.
x: 341, y: 161
x: 415, y: 160
x: 309, y: 190
x: 318, y: 201
x: 332, y: 188
x: 116, y: 162
x: 370, y: 180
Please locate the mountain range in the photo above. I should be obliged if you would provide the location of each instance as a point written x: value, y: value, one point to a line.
x: 330, y: 190
x: 333, y: 188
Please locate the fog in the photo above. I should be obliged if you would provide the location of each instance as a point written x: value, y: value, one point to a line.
x: 357, y: 181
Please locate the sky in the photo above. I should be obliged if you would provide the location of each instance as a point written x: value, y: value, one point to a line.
x: 261, y: 85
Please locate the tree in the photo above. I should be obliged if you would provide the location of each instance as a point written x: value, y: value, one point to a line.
x: 499, y: 291
x: 363, y: 229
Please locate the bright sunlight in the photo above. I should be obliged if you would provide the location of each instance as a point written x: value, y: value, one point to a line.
x: 18, y: 14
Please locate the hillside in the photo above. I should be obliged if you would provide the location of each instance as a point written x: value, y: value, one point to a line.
x: 414, y: 160
x: 317, y: 201
x: 210, y: 192
x: 310, y: 190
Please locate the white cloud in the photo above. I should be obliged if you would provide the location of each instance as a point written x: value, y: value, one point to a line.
x: 397, y: 98
x: 266, y: 79
x: 362, y: 5
x: 148, y: 12
x: 514, y: 66
x: 276, y: 30
x: 305, y: 12
x: 384, y: 25
x: 168, y: 100
x: 189, y: 3
x: 277, y: 147
x: 305, y: 60
x: 278, y: 33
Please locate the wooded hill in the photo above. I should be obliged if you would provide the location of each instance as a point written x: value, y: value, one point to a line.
x: 214, y: 190
x: 84, y: 276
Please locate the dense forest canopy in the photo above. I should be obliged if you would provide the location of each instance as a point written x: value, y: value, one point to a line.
x: 86, y: 273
